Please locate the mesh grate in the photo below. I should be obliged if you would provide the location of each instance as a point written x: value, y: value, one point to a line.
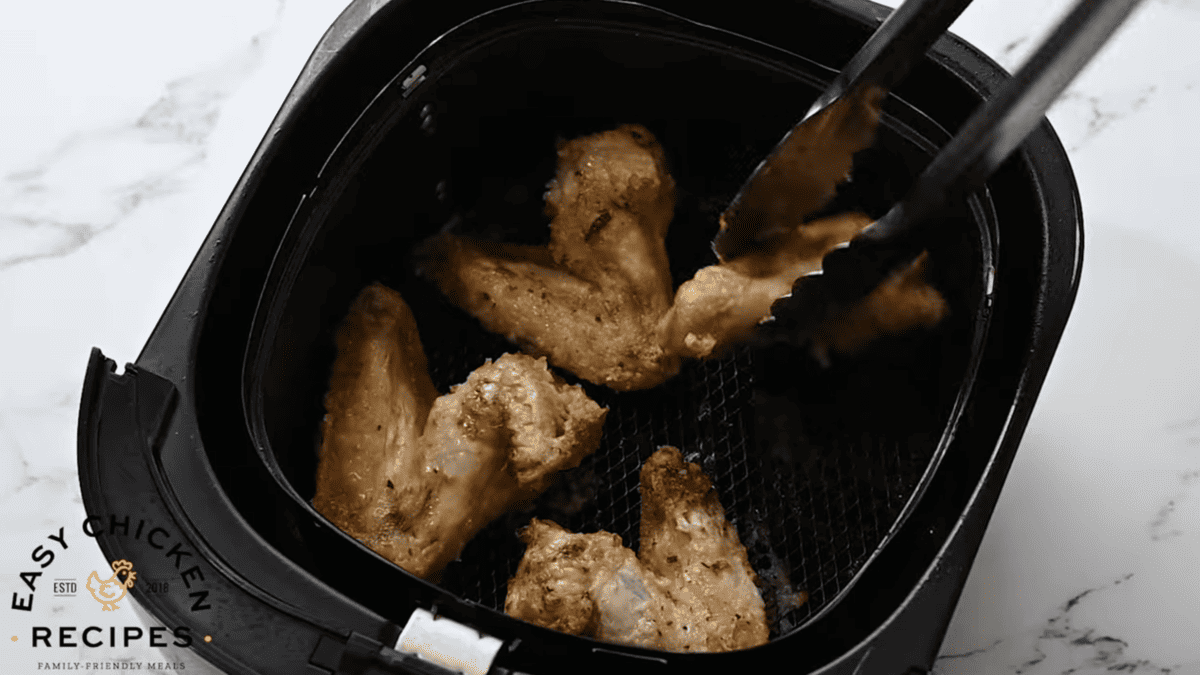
x: 812, y: 466
x: 809, y: 518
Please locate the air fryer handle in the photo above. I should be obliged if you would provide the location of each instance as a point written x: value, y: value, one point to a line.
x: 153, y: 398
x: 128, y: 425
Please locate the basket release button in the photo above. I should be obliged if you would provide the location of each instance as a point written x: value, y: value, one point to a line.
x: 448, y: 643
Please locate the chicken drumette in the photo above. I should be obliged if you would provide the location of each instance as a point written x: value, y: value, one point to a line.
x: 415, y: 476
x: 690, y: 589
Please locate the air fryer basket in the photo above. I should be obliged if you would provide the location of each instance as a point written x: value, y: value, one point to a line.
x: 814, y: 467
x: 862, y: 488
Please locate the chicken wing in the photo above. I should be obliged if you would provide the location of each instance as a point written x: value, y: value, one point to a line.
x: 597, y: 300
x: 591, y: 300
x: 597, y: 332
x: 584, y: 584
x: 690, y: 589
x: 611, y: 202
x: 723, y: 303
x: 686, y: 538
x: 415, y: 477
x: 379, y: 398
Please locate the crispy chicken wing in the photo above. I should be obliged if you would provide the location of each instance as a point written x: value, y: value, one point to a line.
x: 690, y: 589
x: 686, y: 538
x: 723, y: 303
x: 590, y: 301
x: 597, y: 332
x: 415, y: 477
x: 597, y: 300
x: 611, y: 202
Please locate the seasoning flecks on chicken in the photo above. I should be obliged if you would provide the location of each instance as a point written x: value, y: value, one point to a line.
x: 597, y: 300
x: 379, y: 398
x: 594, y: 331
x: 490, y: 444
x: 691, y: 589
x: 686, y: 538
x: 611, y: 202
x: 590, y: 301
x: 582, y: 584
x: 723, y: 303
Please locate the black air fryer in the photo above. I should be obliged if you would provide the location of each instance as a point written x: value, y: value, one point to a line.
x: 864, y: 487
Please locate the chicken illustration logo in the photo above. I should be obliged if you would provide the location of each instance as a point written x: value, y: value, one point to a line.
x: 112, y: 590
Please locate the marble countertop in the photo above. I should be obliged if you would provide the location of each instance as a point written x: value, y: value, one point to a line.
x: 124, y: 125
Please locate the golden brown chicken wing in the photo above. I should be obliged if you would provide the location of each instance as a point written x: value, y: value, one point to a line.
x: 690, y: 589
x: 414, y: 477
x: 597, y: 300
x: 591, y: 300
x: 379, y: 398
x: 686, y: 538
x: 597, y: 332
x: 723, y: 303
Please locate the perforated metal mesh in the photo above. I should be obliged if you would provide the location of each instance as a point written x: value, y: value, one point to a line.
x: 811, y: 500
x: 813, y: 466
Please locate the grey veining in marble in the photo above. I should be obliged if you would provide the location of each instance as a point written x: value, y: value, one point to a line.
x: 47, y: 214
x: 126, y: 125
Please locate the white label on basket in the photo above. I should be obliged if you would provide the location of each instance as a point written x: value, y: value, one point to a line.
x: 448, y: 643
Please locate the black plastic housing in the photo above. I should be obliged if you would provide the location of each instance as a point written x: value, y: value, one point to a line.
x: 207, y: 435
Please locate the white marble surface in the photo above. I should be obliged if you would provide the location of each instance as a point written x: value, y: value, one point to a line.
x: 124, y: 125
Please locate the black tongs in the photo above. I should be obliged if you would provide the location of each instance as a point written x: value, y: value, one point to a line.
x: 995, y: 129
x: 802, y: 172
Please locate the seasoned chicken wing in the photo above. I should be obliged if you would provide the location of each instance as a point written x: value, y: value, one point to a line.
x: 379, y: 398
x: 584, y: 584
x: 686, y: 538
x: 598, y: 332
x: 611, y: 202
x: 723, y: 303
x: 590, y: 301
x: 690, y: 589
x: 597, y: 300
x: 415, y: 477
